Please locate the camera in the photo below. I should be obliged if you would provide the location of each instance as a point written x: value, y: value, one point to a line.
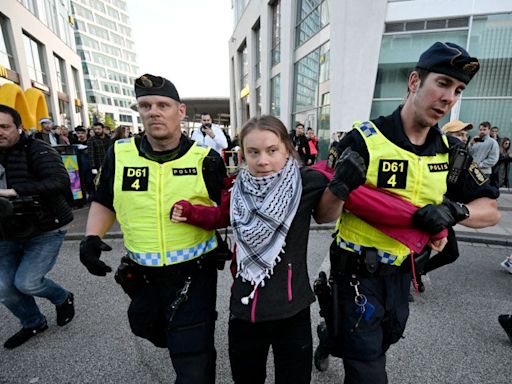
x: 19, y: 217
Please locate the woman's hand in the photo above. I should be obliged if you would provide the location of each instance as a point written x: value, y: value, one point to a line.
x: 176, y: 214
x: 438, y: 245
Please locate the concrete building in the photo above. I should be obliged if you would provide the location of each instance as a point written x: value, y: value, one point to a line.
x: 37, y: 50
x: 104, y: 41
x: 327, y: 63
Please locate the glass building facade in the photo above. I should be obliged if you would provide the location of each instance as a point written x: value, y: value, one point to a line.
x: 37, y: 50
x: 104, y: 41
x: 296, y: 84
x: 311, y: 91
x: 489, y: 95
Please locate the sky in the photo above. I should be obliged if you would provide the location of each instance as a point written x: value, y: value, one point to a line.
x: 185, y: 41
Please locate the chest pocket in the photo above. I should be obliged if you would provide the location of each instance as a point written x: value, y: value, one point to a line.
x: 392, y: 174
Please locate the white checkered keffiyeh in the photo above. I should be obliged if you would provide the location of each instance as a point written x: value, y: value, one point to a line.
x: 262, y: 209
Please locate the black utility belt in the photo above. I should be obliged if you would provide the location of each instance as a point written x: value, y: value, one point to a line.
x: 166, y: 274
x: 364, y: 264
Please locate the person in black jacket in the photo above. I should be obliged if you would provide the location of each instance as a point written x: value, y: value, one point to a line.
x: 300, y: 142
x: 33, y: 210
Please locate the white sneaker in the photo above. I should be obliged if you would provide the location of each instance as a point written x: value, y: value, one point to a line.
x: 507, y: 264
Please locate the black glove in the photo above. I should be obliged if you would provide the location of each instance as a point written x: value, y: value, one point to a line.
x: 434, y: 218
x: 90, y: 251
x: 349, y: 173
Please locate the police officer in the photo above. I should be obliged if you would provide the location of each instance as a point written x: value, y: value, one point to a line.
x: 405, y: 153
x: 167, y: 270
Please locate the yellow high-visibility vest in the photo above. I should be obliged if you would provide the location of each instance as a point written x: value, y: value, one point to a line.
x: 419, y: 179
x: 145, y: 191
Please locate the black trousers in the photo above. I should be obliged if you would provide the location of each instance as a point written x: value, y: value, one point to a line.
x: 291, y: 343
x: 189, y: 335
x: 362, y: 343
x: 448, y: 255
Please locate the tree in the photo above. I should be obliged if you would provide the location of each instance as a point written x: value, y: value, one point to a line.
x: 95, y: 116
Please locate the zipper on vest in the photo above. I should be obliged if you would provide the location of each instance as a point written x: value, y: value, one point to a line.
x: 163, y: 256
x: 418, y: 183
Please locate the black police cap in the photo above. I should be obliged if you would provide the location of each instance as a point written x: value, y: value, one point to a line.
x: 449, y: 59
x: 149, y: 85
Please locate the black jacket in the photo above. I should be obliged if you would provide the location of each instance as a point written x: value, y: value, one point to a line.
x: 287, y: 291
x: 34, y: 168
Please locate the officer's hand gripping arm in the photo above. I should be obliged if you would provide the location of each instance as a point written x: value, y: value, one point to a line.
x: 434, y: 218
x: 349, y: 173
x: 90, y: 252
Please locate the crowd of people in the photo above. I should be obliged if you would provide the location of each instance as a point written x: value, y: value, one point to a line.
x: 395, y: 189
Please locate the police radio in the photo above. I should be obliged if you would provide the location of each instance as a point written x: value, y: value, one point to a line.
x: 459, y: 163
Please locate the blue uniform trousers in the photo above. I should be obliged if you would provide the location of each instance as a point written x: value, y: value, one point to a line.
x: 362, y: 343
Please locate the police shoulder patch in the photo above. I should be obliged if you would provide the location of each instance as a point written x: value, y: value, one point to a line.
x: 477, y: 175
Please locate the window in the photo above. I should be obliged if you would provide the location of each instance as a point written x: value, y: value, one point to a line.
x: 94, y: 70
x: 239, y: 6
x: 307, y: 76
x: 125, y: 31
x: 313, y: 15
x: 125, y: 19
x: 60, y: 70
x: 76, y: 82
x: 489, y: 95
x: 64, y: 112
x: 276, y: 33
x: 30, y: 5
x: 119, y: 4
x: 275, y: 97
x: 6, y: 58
x: 106, y: 22
x: 258, y: 101
x: 117, y: 39
x: 82, y: 11
x: 97, y: 5
x: 398, y: 55
x: 312, y: 99
x: 98, y: 31
x: 125, y: 118
x: 113, y: 13
x: 111, y: 50
x: 35, y: 59
x: 48, y: 14
x: 89, y: 42
x: 257, y: 50
x: 244, y: 67
x: 325, y: 54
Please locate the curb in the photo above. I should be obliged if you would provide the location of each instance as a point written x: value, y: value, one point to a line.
x: 466, y: 237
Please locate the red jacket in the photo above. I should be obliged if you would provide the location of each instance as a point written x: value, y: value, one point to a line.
x: 385, y: 211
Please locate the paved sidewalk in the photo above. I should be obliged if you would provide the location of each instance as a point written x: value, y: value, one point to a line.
x: 500, y: 234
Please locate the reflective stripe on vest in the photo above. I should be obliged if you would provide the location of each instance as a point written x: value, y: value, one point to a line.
x: 145, y: 191
x: 383, y: 257
x: 418, y: 179
x: 174, y: 257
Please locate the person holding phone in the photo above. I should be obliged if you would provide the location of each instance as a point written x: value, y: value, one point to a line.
x: 210, y: 135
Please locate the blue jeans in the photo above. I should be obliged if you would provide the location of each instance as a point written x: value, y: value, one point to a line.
x: 23, y: 266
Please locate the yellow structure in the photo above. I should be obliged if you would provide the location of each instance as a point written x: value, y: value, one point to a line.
x: 31, y: 104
